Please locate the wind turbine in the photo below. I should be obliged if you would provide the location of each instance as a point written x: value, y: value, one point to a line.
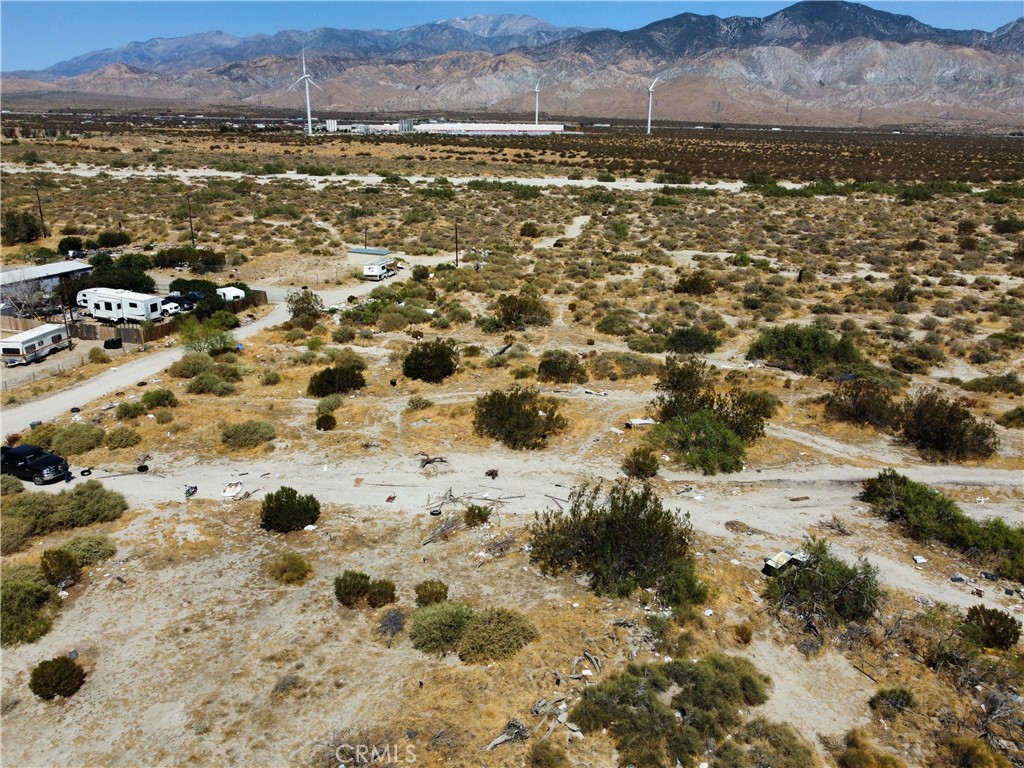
x: 650, y: 103
x: 307, y: 80
x: 536, y: 103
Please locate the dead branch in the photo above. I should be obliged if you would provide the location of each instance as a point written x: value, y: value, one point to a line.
x: 426, y: 460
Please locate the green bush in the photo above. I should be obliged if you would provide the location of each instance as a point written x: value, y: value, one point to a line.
x: 89, y: 549
x: 28, y: 604
x: 697, y: 283
x: 622, y: 365
x: 805, y: 349
x: 228, y: 371
x: 621, y: 542
x: 438, y: 628
x: 380, y: 592
x: 864, y: 402
x: 337, y: 379
x: 1012, y: 419
x: 343, y: 334
x: 121, y: 437
x: 285, y: 510
x: 42, y: 435
x: 325, y: 422
x: 59, y: 676
x: 75, y: 439
x: 97, y: 355
x: 519, y: 418
x: 519, y: 311
x: 351, y: 587
x: 270, y: 378
x: 945, y: 430
x: 704, y: 441
x: 163, y: 416
x: 60, y: 567
x: 561, y: 366
x: 10, y: 485
x: 431, y: 361
x: 991, y: 628
x: 209, y: 383
x: 191, y: 365
x: 418, y: 403
x: 431, y: 591
x: 475, y: 515
x: 289, y: 568
x: 692, y: 340
x: 827, y: 585
x: 248, y: 434
x: 329, y: 404
x: 640, y: 464
x: 890, y: 701
x: 159, y: 398
x: 493, y: 634
x: 130, y: 409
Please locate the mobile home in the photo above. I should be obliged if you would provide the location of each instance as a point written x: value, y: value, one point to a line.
x: 116, y: 304
x: 379, y: 269
x: 34, y: 344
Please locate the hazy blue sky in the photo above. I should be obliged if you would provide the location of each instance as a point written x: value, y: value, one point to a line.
x: 35, y: 35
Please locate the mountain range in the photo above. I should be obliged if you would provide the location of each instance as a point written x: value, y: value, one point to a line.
x: 813, y: 63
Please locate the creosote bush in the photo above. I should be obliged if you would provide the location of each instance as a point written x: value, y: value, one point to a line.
x: 864, y: 402
x: 991, y: 628
x: 75, y: 439
x: 209, y: 383
x: 270, y: 378
x: 90, y: 548
x: 130, y: 409
x: 519, y: 418
x: 351, y: 587
x: 35, y: 514
x: 59, y: 676
x: 890, y: 701
x: 191, y: 365
x: 248, y: 434
x: 476, y: 514
x: 97, y: 355
x: 431, y: 361
x: 285, y: 510
x: 159, y: 398
x: 380, y: 592
x: 561, y: 366
x: 945, y: 430
x: 493, y: 634
x: 438, y: 628
x: 641, y: 464
x: 337, y: 379
x: 289, y: 568
x: 805, y: 349
x: 121, y: 437
x: 28, y: 603
x: 431, y: 591
x: 60, y: 567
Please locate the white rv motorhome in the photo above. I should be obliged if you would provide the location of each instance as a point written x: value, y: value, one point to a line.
x: 116, y: 304
x: 380, y: 268
x: 34, y: 344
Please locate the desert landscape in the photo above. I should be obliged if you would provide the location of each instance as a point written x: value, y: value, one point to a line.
x: 740, y: 344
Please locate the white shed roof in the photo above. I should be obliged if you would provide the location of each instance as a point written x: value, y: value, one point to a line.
x: 42, y: 271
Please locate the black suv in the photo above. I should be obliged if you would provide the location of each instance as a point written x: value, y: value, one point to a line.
x: 30, y: 462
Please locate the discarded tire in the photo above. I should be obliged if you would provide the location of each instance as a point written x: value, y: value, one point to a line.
x: 142, y: 468
x: 85, y: 472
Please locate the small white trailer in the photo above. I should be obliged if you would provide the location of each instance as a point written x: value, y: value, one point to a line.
x: 378, y: 269
x: 117, y: 304
x: 230, y: 293
x: 34, y: 344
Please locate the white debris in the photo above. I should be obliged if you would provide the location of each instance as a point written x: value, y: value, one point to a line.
x: 310, y: 527
x: 709, y: 612
x: 920, y: 560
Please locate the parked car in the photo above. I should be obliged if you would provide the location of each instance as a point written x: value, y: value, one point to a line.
x: 169, y: 308
x: 30, y: 462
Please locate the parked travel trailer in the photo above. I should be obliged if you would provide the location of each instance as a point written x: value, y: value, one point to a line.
x: 34, y: 344
x: 116, y: 304
x: 230, y: 293
x: 379, y: 269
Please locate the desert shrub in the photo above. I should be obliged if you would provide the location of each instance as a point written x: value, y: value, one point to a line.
x: 825, y: 585
x: 692, y: 340
x: 247, y: 434
x: 547, y: 754
x: 431, y: 591
x: 351, y: 587
x: 159, y: 398
x: 493, y: 634
x: 744, y: 633
x: 209, y: 383
x: 704, y: 441
x: 1012, y: 419
x: 1008, y: 383
x: 561, y: 366
x: 130, y: 409
x: 641, y: 464
x: 89, y: 549
x: 746, y: 411
x: 618, y: 322
x: 289, y: 568
x: 336, y: 379
x: 121, y: 437
x: 647, y: 343
x: 438, y: 628
x: 519, y: 418
x: 285, y: 510
x: 343, y: 334
x: 805, y: 349
x: 10, y: 485
x: 329, y: 404
x: 325, y: 422
x: 305, y: 307
x: 892, y: 700
x: 380, y: 592
x: 697, y: 283
x: 163, y: 416
x: 42, y: 435
x: 27, y: 604
x: 59, y: 676
x: 97, y: 355
x: 476, y: 514
x: 519, y: 311
x: 191, y: 365
x: 75, y: 439
x: 418, y: 403
x: 860, y: 753
x: 945, y: 430
x: 972, y: 752
x: 431, y: 361
x: 270, y: 378
x: 228, y: 371
x: 991, y: 628
x: 622, y: 365
x: 60, y: 567
x: 15, y: 531
x: 864, y: 402
x: 85, y: 504
x: 623, y: 541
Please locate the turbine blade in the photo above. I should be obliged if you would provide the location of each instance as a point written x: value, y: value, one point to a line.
x: 296, y: 82
x: 314, y: 84
x: 652, y: 84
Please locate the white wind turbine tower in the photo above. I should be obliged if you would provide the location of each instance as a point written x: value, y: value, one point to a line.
x: 307, y: 80
x: 650, y: 104
x: 536, y: 104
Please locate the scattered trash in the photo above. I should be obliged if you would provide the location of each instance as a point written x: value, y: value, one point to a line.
x: 958, y: 578
x: 514, y: 731
x: 978, y: 592
x: 708, y: 612
x: 309, y: 527
x: 799, y: 498
x: 391, y: 498
x: 73, y: 654
x: 835, y: 525
x: 142, y: 468
x: 920, y: 560
x: 989, y: 576
x: 927, y: 602
x: 231, y: 489
x: 426, y: 460
x: 492, y: 473
x: 86, y: 472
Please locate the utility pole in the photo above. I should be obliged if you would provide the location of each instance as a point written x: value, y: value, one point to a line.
x: 191, y: 230
x: 456, y: 243
x: 42, y: 221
